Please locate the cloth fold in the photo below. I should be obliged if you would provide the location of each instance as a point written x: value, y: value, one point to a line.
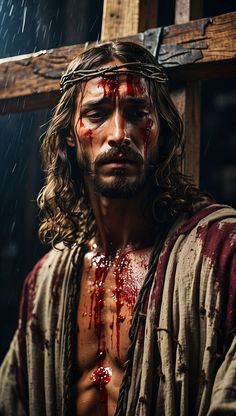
x: 183, y: 362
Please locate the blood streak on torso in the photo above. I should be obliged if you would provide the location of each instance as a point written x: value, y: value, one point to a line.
x: 109, y: 290
x: 121, y: 271
x: 124, y: 291
x: 102, y: 375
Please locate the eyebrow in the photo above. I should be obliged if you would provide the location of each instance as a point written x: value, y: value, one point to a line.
x: 107, y: 100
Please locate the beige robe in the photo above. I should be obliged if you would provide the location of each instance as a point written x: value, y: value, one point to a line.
x: 182, y: 359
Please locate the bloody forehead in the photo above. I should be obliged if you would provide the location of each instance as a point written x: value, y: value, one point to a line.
x: 135, y: 85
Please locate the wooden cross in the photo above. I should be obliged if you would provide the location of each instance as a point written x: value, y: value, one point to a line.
x: 190, y: 50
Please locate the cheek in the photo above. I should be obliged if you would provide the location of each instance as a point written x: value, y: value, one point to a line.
x: 146, y: 129
x: 84, y: 133
x: 155, y: 132
x: 88, y: 140
x: 149, y: 134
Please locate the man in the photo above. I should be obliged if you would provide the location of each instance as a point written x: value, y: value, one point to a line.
x: 133, y: 311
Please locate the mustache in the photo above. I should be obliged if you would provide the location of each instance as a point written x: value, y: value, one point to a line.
x: 117, y: 154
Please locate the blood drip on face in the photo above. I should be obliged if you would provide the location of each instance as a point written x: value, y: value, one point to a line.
x: 87, y: 132
x: 81, y: 123
x: 146, y: 131
x: 134, y: 86
x: 111, y: 86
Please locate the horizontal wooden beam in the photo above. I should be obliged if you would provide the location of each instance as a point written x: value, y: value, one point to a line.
x: 199, y: 49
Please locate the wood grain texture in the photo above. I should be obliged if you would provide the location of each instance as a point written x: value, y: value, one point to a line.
x: 32, y: 81
x: 126, y: 18
x: 188, y: 99
x: 200, y: 49
x: 186, y: 10
x: 215, y: 37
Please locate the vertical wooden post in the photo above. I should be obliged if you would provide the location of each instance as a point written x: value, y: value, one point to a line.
x: 187, y: 100
x: 186, y: 10
x: 125, y: 18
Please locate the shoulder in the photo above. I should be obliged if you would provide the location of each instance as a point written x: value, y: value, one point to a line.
x: 214, y: 218
x: 44, y: 283
x: 213, y: 229
x: 199, y: 256
x: 206, y: 242
x: 210, y: 232
x: 55, y: 261
x: 210, y: 215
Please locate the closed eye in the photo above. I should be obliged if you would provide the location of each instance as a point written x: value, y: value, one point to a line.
x: 96, y: 116
x: 141, y: 114
x: 135, y: 115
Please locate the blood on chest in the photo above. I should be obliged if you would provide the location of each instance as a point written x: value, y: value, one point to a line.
x: 109, y: 290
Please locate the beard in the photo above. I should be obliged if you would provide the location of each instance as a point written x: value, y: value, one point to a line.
x: 122, y: 185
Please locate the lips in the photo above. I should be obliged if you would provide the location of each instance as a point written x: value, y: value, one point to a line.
x: 121, y: 158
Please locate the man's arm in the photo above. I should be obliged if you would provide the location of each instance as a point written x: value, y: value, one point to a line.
x: 14, y: 372
x: 223, y: 400
x: 10, y: 400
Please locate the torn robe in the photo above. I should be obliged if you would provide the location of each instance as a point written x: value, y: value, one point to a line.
x: 183, y: 361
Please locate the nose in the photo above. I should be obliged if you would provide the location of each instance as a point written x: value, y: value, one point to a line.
x: 117, y: 134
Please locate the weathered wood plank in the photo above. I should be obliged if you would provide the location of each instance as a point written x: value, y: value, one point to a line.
x: 186, y: 10
x: 126, y: 18
x: 200, y: 49
x: 31, y: 81
x: 188, y: 98
x: 211, y: 41
x: 192, y: 130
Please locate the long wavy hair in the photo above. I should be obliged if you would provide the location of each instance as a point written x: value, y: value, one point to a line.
x: 67, y: 214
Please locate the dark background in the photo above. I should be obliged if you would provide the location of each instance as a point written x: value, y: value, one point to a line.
x: 30, y: 25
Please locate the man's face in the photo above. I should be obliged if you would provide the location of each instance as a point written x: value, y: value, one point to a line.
x: 116, y: 132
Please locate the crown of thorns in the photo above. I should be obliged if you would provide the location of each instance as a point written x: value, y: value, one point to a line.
x: 148, y: 71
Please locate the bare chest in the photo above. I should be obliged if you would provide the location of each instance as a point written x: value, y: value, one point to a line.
x: 108, y: 294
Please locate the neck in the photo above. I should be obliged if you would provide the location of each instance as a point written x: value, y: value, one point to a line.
x: 122, y: 223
